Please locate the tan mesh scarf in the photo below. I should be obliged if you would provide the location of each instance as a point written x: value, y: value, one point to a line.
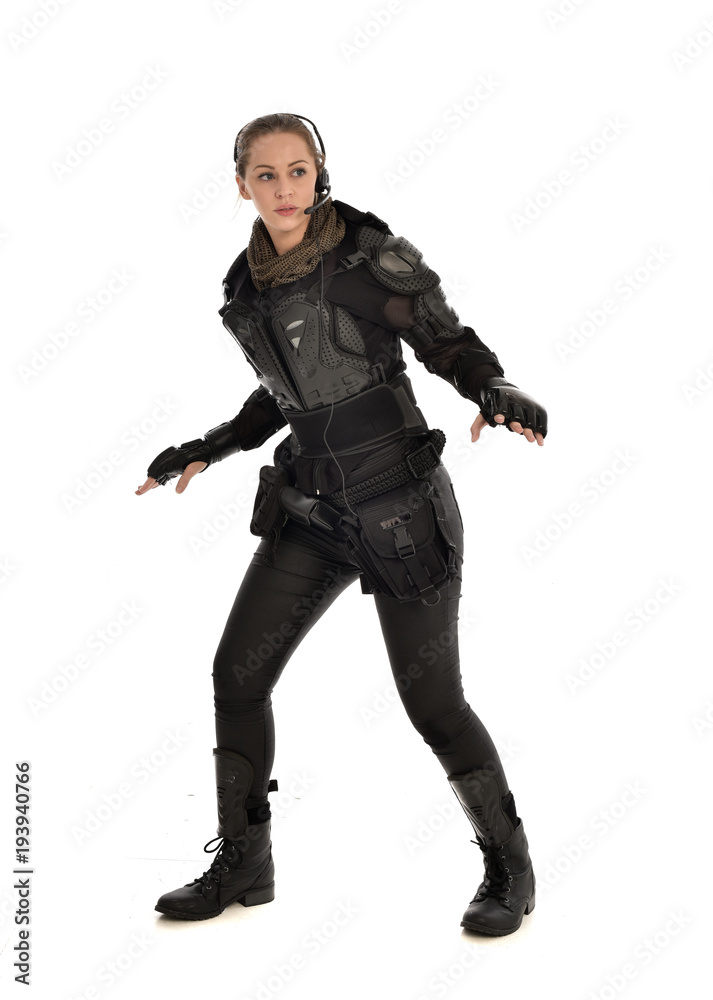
x: 269, y: 268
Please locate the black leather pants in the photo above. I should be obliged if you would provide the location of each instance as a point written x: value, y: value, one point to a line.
x: 277, y: 605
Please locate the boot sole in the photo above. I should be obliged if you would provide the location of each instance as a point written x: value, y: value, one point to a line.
x: 251, y: 897
x: 498, y: 931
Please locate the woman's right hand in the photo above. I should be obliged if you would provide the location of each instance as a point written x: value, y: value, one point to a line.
x: 190, y: 471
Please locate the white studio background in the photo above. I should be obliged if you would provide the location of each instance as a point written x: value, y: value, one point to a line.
x: 553, y: 164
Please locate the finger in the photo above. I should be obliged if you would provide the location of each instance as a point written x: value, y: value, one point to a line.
x: 500, y: 417
x: 189, y: 472
x: 540, y: 438
x: 539, y: 422
x: 477, y: 426
x: 148, y: 485
x: 529, y: 433
x: 518, y: 418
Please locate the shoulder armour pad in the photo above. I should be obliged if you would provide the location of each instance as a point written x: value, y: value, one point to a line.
x: 395, y: 262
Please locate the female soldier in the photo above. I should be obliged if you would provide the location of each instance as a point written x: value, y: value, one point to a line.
x: 318, y: 302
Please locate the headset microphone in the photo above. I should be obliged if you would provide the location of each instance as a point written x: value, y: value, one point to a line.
x: 326, y: 188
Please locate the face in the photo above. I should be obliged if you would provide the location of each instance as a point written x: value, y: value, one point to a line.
x: 280, y: 172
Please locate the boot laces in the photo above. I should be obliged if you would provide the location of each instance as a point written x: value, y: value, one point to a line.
x: 497, y: 876
x: 226, y: 853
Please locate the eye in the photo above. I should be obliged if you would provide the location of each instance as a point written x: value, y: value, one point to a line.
x: 268, y: 173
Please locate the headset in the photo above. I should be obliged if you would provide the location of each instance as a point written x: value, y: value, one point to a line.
x: 322, y: 187
x: 321, y: 184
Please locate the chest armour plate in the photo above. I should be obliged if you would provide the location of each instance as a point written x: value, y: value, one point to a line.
x: 304, y: 363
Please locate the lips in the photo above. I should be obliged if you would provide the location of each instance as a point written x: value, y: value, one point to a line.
x: 287, y: 209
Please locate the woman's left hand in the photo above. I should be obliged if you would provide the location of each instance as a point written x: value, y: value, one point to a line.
x: 481, y: 422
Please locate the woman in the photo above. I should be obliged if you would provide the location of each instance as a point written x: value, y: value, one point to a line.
x: 318, y: 302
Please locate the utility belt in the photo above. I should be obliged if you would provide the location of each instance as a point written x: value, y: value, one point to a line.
x: 394, y: 524
x: 375, y: 416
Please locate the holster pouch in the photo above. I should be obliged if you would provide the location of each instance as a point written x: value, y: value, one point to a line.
x: 267, y: 512
x: 402, y: 542
x: 400, y: 539
x: 269, y: 517
x: 309, y: 510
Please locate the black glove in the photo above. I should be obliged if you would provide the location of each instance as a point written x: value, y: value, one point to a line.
x: 219, y: 442
x: 500, y: 396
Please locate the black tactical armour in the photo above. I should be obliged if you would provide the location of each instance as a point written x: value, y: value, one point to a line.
x: 314, y: 350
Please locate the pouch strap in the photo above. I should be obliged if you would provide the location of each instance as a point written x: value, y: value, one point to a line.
x: 406, y: 550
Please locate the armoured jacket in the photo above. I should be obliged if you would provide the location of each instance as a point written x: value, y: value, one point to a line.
x: 326, y: 349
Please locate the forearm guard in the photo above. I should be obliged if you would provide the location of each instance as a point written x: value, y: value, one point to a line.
x: 218, y: 443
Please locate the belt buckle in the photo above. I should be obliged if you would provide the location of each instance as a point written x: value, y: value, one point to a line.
x: 409, y: 458
x: 352, y: 259
x: 404, y: 543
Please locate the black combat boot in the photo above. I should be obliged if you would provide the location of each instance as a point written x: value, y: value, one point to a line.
x: 508, y: 890
x: 243, y: 870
